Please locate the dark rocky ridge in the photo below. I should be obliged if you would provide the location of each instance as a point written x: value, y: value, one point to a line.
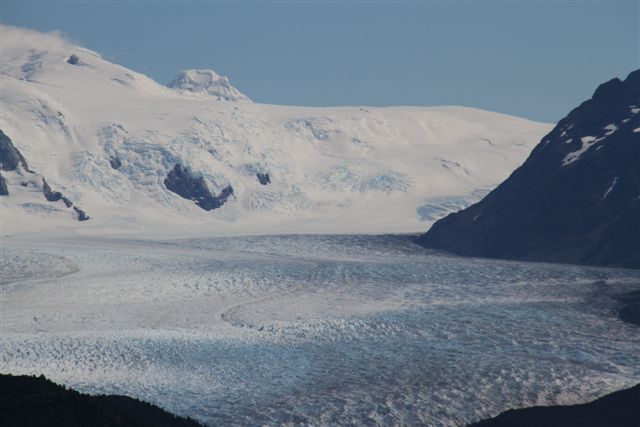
x: 35, y: 401
x: 193, y: 188
x: 10, y: 157
x: 619, y: 409
x: 12, y: 160
x: 54, y: 196
x: 557, y: 206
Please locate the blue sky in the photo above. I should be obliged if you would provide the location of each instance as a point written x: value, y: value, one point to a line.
x: 533, y: 59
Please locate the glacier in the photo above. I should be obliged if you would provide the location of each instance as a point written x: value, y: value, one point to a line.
x: 284, y: 305
x: 313, y: 329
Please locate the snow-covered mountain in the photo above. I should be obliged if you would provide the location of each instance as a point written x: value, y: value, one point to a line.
x: 198, y: 157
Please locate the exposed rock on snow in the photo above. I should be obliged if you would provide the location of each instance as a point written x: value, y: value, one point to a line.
x: 54, y: 196
x: 80, y: 214
x: 49, y: 194
x: 73, y: 60
x: 11, y: 160
x: 4, y: 191
x: 263, y: 178
x: 10, y: 157
x: 181, y: 182
x: 115, y: 162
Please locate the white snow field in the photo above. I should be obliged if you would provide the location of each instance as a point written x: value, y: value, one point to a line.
x: 313, y: 330
x: 333, y: 169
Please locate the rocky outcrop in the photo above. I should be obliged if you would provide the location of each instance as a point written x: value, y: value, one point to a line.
x: 12, y: 160
x: 54, y: 196
x: 619, y: 409
x: 263, y: 178
x: 4, y: 191
x: 35, y: 401
x: 10, y: 156
x: 115, y: 162
x: 80, y: 214
x: 576, y: 199
x: 73, y: 60
x: 68, y: 203
x: 49, y: 194
x: 181, y: 182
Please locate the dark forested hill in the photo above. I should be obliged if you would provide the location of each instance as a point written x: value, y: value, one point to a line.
x: 35, y: 401
x: 619, y: 409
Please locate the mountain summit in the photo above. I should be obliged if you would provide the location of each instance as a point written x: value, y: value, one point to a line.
x: 576, y: 199
x: 206, y: 82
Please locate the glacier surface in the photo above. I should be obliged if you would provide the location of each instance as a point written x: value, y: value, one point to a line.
x: 320, y: 330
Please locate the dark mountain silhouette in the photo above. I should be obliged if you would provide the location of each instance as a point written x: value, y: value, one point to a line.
x: 619, y: 409
x: 35, y: 401
x: 576, y: 199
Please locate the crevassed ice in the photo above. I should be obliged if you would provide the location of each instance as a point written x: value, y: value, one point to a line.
x: 321, y: 330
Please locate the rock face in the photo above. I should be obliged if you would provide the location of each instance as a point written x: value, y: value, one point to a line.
x: 115, y: 162
x: 10, y: 157
x: 576, y: 199
x: 4, y: 191
x: 193, y: 188
x: 36, y: 401
x: 49, y: 194
x: 80, y: 214
x: 73, y: 60
x: 263, y: 178
x: 618, y: 409
x: 12, y: 160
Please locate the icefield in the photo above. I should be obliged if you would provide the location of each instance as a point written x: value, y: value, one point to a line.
x: 107, y: 137
x: 319, y: 330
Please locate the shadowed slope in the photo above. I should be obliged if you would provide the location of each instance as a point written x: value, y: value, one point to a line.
x: 35, y: 401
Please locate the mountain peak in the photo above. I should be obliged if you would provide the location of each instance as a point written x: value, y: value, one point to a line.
x: 206, y: 82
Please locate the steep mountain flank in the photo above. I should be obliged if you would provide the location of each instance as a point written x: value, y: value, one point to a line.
x: 576, y: 199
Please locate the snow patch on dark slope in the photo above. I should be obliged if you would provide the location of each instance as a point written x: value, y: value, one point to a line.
x: 575, y: 200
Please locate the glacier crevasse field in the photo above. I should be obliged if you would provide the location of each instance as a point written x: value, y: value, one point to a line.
x: 321, y: 330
